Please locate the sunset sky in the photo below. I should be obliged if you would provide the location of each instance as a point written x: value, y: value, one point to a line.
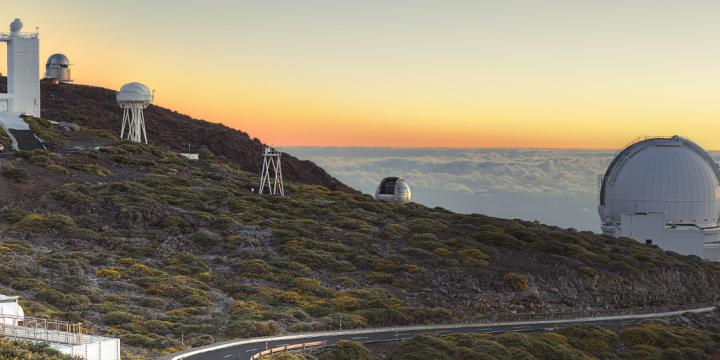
x: 406, y: 73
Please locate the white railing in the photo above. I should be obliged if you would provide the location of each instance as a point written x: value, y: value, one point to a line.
x: 45, y: 330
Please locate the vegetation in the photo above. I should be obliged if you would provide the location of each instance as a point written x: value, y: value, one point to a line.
x: 146, y: 245
x: 26, y: 350
x: 658, y: 340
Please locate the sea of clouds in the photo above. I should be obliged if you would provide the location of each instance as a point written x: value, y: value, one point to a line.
x: 556, y: 187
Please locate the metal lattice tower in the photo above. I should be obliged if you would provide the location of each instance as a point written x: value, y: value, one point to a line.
x: 133, y: 98
x: 271, y: 163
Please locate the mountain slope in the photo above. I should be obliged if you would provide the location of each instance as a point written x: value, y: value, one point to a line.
x: 143, y: 244
x: 96, y: 107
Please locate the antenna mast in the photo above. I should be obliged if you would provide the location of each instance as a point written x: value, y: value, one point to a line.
x: 271, y: 163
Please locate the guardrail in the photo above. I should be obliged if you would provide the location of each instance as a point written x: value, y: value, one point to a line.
x: 500, y: 320
x: 285, y: 348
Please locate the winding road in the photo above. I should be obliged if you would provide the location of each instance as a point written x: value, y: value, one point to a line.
x: 245, y: 349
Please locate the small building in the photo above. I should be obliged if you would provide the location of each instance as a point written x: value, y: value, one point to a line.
x: 57, y: 69
x: 11, y: 313
x: 68, y: 338
x: 394, y: 189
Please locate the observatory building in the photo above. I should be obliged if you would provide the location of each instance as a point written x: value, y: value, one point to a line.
x: 133, y: 98
x: 665, y: 192
x: 57, y: 69
x: 23, y: 62
x: 394, y: 189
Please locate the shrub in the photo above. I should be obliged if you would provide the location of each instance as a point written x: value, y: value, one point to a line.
x: 518, y: 282
x: 250, y: 329
x: 117, y: 318
x: 15, y: 174
x: 109, y: 273
x: 347, y: 350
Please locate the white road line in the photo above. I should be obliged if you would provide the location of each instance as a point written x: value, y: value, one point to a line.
x: 358, y: 338
x: 251, y: 350
x: 227, y: 356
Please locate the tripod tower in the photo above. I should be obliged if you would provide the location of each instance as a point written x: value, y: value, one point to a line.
x: 271, y: 163
x: 133, y: 98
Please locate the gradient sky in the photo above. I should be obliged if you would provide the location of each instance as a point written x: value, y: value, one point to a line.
x: 505, y: 73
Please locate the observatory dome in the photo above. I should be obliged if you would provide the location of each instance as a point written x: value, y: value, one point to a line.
x: 58, y: 68
x: 394, y: 189
x: 58, y: 60
x: 134, y: 92
x: 673, y: 176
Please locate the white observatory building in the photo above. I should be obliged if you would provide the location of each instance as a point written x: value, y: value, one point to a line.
x: 57, y: 69
x: 665, y: 192
x: 23, y: 63
x: 394, y: 189
x: 133, y: 98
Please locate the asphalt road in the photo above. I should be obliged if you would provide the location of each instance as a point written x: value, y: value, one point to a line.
x: 244, y: 349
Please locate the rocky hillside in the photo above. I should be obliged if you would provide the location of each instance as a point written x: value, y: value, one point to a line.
x: 143, y: 244
x: 96, y: 107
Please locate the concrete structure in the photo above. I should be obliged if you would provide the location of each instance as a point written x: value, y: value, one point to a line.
x: 68, y: 338
x: 665, y: 192
x: 272, y: 163
x: 23, y: 87
x: 10, y: 311
x: 23, y: 62
x: 57, y: 69
x: 394, y: 189
x: 133, y: 98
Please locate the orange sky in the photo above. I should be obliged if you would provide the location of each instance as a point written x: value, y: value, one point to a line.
x: 516, y: 73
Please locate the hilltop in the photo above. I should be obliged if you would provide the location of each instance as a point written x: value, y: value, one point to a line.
x: 96, y: 107
x: 161, y: 251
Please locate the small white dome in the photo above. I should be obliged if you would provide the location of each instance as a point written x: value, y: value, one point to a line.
x: 16, y: 26
x: 134, y: 92
x: 670, y: 175
x: 58, y: 60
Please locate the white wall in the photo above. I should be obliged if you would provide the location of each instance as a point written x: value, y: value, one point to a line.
x: 685, y: 240
x: 24, y: 75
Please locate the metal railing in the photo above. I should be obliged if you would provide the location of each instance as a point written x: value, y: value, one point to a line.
x: 567, y: 318
x: 39, y: 329
x: 284, y: 348
x: 22, y: 35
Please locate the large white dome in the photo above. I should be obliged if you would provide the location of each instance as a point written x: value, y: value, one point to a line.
x: 670, y: 175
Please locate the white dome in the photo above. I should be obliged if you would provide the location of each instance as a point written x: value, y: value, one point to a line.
x: 134, y: 92
x: 670, y: 175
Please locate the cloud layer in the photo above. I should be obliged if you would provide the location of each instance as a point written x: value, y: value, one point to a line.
x: 558, y: 187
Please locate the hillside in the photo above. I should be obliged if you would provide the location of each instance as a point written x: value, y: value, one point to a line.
x: 143, y: 244
x: 151, y: 247
x: 96, y: 107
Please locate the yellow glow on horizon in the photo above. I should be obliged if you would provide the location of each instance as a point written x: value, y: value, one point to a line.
x: 475, y: 74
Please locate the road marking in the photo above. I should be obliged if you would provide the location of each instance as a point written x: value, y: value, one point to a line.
x: 227, y: 356
x: 359, y: 338
x: 251, y: 350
